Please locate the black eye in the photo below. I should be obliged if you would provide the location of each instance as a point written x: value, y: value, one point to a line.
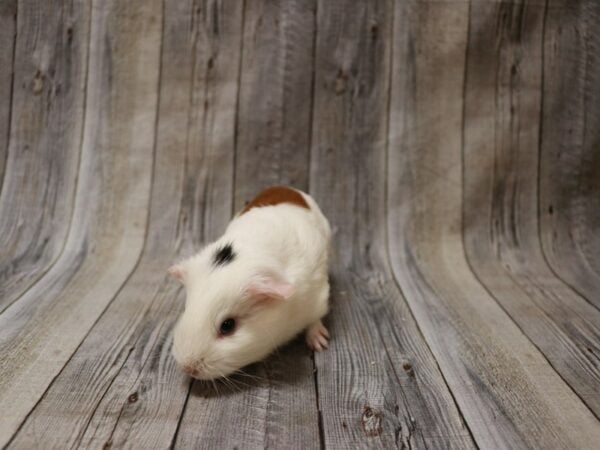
x: 227, y: 327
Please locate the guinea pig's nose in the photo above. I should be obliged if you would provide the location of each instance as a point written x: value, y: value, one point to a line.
x: 190, y: 370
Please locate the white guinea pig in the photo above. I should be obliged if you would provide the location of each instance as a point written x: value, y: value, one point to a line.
x: 264, y: 281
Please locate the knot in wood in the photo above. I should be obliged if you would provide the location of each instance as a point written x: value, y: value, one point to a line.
x: 38, y: 82
x: 371, y: 421
x: 133, y: 398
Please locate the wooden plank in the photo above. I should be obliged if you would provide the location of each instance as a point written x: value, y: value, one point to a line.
x: 569, y: 157
x: 201, y: 56
x: 8, y: 33
x: 509, y: 395
x: 275, y: 96
x: 45, y: 138
x: 133, y: 393
x: 503, y: 98
x: 378, y: 384
x: 275, y: 406
x: 40, y: 332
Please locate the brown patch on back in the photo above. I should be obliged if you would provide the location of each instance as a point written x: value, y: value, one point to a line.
x: 276, y: 195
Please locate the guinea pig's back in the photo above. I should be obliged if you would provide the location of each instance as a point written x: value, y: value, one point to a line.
x: 294, y: 234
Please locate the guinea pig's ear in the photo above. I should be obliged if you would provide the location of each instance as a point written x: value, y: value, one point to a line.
x: 177, y: 271
x: 269, y: 288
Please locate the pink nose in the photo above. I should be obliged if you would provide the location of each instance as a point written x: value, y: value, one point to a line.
x: 190, y: 370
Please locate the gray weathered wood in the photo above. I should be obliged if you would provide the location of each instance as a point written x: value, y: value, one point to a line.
x: 8, y: 32
x: 196, y: 137
x: 503, y: 98
x: 452, y: 144
x: 569, y: 156
x: 138, y: 393
x: 275, y: 95
x: 275, y: 405
x: 47, y: 114
x: 500, y: 380
x: 379, y: 385
x: 40, y: 332
x: 125, y: 357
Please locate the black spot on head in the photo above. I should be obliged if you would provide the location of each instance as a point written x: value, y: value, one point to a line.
x: 224, y: 255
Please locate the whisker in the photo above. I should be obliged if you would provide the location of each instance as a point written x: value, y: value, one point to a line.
x: 248, y: 375
x: 240, y: 382
x: 229, y: 383
x: 215, y: 387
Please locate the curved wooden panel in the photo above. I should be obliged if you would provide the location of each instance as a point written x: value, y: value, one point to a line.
x: 570, y: 146
x: 378, y: 382
x: 499, y: 379
x: 503, y: 98
x: 272, y: 134
x: 8, y: 34
x: 275, y: 95
x: 126, y: 352
x: 47, y: 114
x: 40, y: 332
x: 452, y: 144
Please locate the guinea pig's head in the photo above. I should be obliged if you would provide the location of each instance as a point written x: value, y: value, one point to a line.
x: 230, y: 319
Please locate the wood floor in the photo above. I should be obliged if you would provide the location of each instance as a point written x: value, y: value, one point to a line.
x: 454, y: 146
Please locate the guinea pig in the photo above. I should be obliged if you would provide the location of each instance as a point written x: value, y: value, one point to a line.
x: 255, y: 288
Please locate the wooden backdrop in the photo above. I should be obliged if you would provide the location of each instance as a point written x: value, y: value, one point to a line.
x: 454, y: 146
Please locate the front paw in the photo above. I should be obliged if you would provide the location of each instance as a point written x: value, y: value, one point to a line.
x: 317, y: 337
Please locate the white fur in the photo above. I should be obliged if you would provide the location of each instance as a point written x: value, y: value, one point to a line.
x: 282, y: 246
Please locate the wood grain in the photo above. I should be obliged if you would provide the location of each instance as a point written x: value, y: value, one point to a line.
x: 47, y: 113
x: 379, y: 386
x: 40, y: 332
x: 499, y: 379
x: 275, y: 95
x: 198, y: 96
x: 8, y: 34
x: 569, y: 158
x: 452, y: 144
x: 274, y: 405
x: 135, y: 393
x: 502, y: 242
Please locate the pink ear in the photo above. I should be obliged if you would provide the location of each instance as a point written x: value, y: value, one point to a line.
x: 177, y: 271
x: 265, y: 289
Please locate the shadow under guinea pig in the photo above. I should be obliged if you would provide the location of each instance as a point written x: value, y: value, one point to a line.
x: 291, y: 365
